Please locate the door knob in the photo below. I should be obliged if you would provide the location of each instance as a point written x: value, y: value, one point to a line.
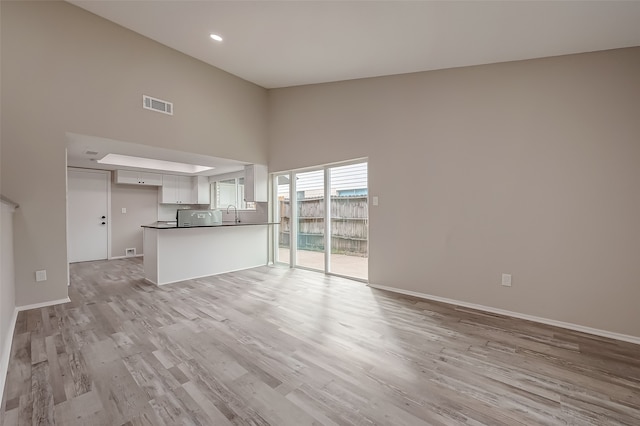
x: 103, y: 217
x: 104, y: 223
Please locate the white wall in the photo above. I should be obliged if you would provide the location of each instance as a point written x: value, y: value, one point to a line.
x: 141, y: 204
x: 67, y: 70
x: 529, y: 168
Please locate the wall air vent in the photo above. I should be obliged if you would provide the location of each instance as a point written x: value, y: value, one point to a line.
x: 157, y: 105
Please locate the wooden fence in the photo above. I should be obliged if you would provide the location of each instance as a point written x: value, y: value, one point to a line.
x: 349, y: 224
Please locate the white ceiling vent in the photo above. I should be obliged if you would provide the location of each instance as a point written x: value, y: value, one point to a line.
x: 157, y: 105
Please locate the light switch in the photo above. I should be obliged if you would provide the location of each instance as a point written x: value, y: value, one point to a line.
x: 375, y: 200
x: 124, y: 210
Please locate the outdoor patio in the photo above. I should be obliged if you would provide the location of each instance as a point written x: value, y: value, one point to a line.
x: 350, y: 266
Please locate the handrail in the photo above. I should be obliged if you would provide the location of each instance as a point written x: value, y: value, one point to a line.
x: 9, y: 201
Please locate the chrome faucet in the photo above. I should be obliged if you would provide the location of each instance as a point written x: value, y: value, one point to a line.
x: 235, y: 210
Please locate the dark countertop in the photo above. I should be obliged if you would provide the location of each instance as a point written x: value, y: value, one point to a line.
x: 173, y: 225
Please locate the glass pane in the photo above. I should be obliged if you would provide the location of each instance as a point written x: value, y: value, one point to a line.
x: 231, y: 192
x: 310, y: 208
x: 226, y: 194
x: 284, y: 217
x: 349, y: 221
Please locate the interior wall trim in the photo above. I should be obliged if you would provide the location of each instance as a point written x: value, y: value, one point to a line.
x: 6, y: 353
x: 42, y: 304
x: 125, y: 257
x: 547, y: 321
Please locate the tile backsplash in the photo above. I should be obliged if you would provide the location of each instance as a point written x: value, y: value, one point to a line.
x: 167, y: 212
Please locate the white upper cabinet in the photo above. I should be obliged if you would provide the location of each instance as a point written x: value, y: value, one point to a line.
x: 255, y: 183
x: 138, y: 178
x: 202, y: 190
x: 177, y: 190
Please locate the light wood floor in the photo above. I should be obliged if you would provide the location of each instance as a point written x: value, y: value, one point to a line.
x: 272, y: 346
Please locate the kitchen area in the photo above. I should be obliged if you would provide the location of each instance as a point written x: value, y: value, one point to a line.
x: 189, y: 219
x: 204, y: 242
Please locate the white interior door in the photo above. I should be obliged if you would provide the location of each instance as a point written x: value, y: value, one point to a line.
x: 87, y: 214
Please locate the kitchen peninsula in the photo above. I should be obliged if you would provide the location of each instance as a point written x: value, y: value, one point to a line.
x: 173, y: 253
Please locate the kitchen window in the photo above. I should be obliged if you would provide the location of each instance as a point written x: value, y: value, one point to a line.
x: 230, y: 192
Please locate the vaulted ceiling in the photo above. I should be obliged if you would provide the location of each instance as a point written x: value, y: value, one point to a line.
x: 288, y: 43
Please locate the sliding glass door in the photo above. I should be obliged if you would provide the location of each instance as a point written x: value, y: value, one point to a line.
x: 349, y: 216
x: 310, y: 221
x: 282, y: 200
x: 323, y: 219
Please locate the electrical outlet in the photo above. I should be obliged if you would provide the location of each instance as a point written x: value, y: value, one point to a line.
x: 41, y: 275
x: 124, y: 210
x: 506, y: 280
x: 375, y: 201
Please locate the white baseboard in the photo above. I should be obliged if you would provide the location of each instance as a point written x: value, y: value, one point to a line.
x: 205, y: 276
x: 149, y: 281
x: 547, y: 321
x: 6, y: 352
x: 43, y: 304
x: 125, y: 257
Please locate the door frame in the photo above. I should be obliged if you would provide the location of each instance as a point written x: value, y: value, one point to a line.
x: 103, y: 172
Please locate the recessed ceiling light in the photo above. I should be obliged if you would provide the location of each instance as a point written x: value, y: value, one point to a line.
x: 149, y: 163
x: 216, y: 37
